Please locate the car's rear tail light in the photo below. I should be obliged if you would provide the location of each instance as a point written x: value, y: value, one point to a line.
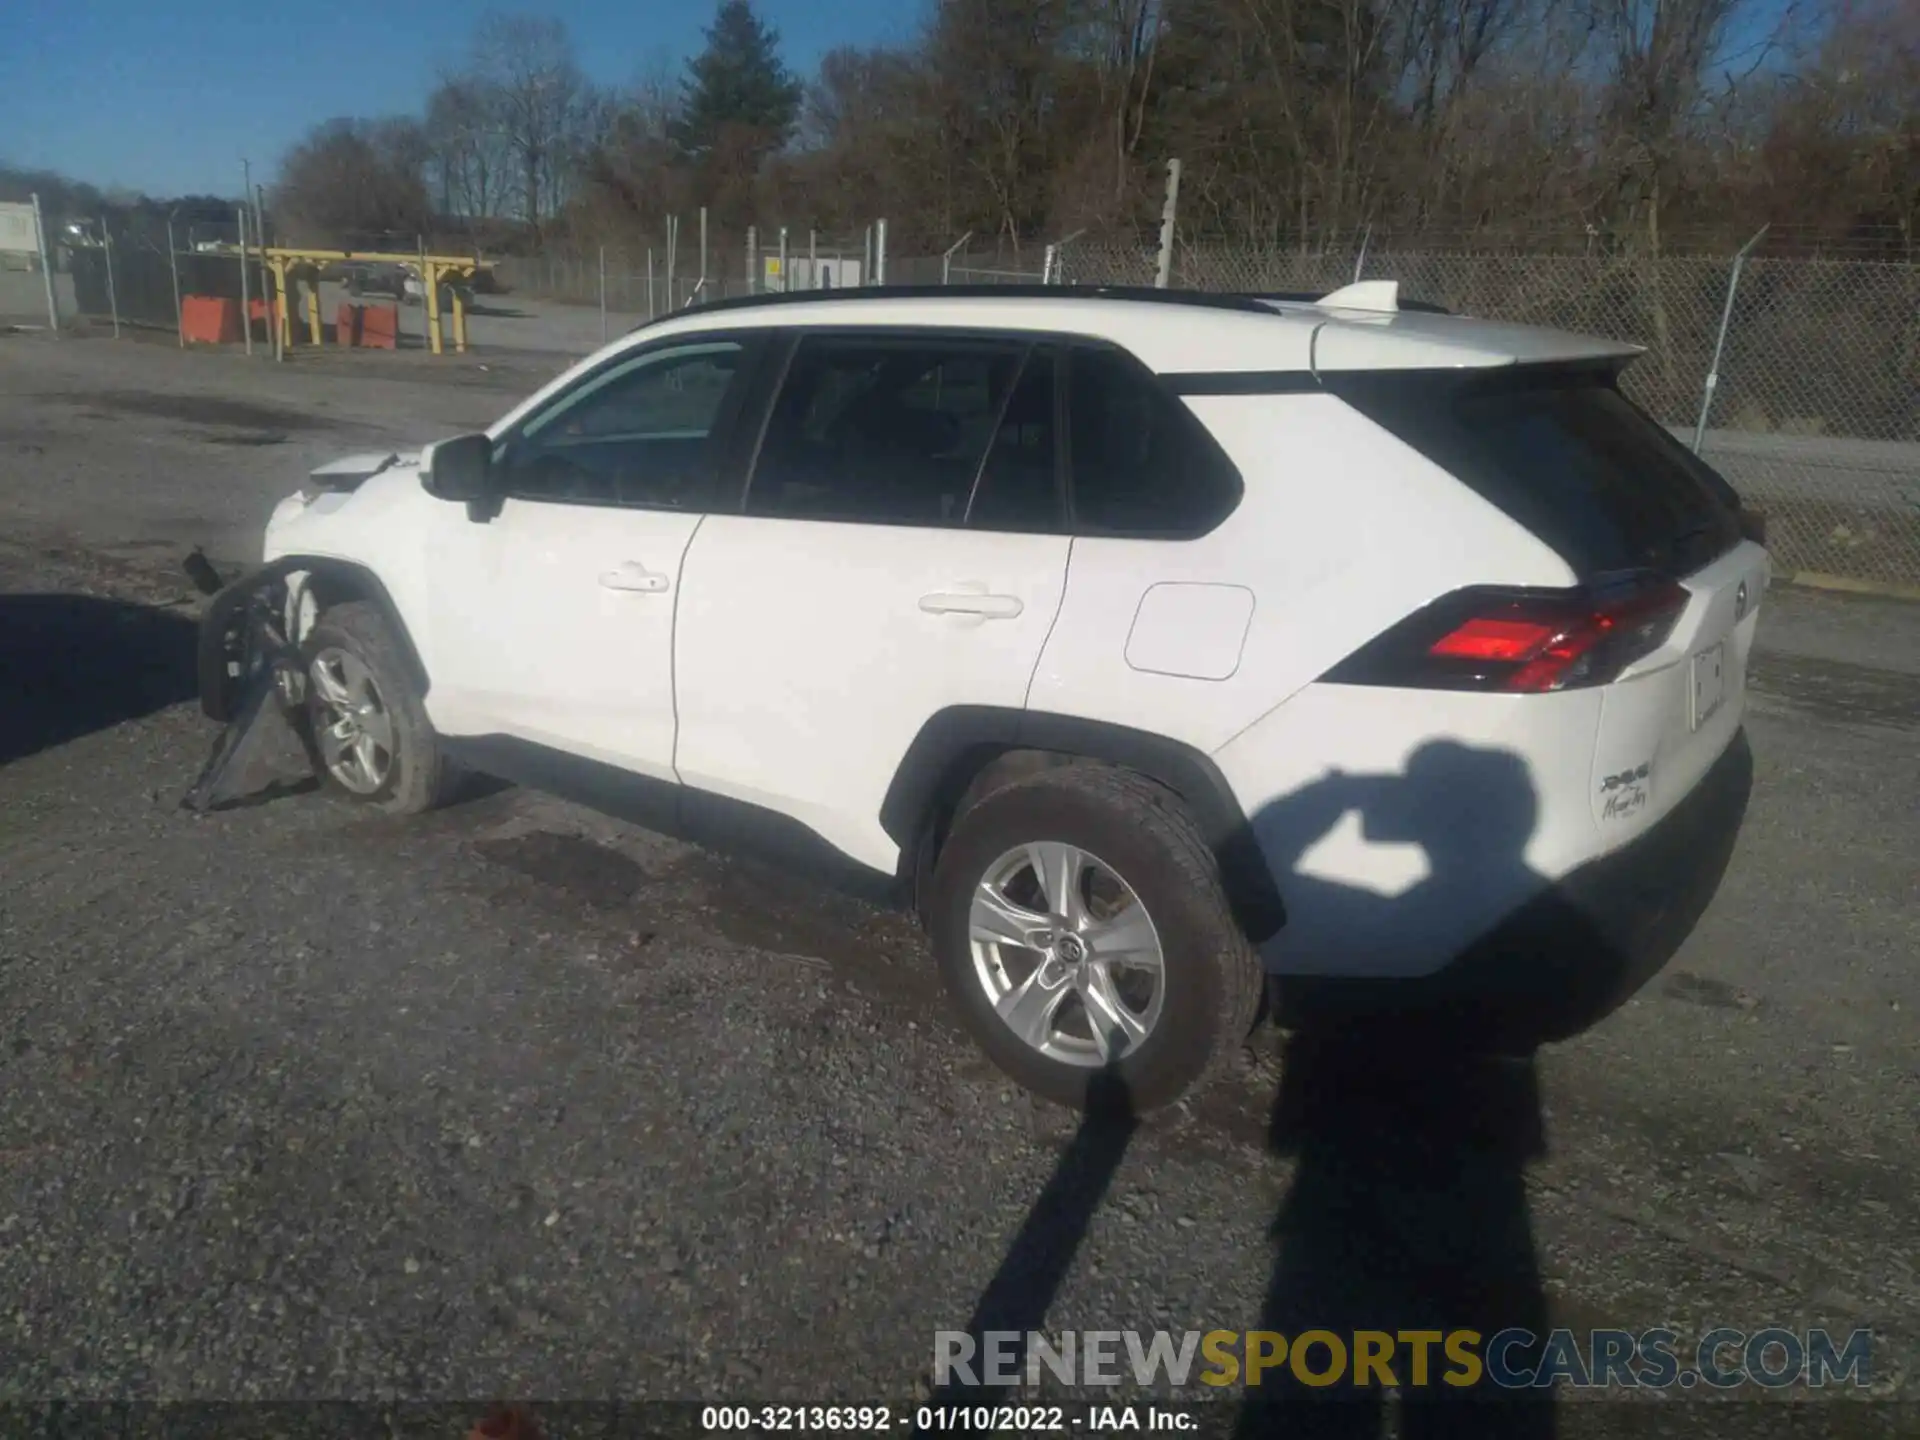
x: 1495, y: 639
x: 1519, y: 641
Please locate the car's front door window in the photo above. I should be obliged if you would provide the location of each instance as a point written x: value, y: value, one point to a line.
x: 635, y: 434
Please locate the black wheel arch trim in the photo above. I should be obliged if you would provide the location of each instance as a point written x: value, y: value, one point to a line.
x: 218, y: 689
x: 954, y: 743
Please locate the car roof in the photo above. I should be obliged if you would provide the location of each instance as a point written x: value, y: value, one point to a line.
x: 1175, y: 332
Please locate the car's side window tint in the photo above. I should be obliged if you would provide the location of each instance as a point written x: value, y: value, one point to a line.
x: 1018, y: 487
x: 635, y: 434
x: 1141, y: 462
x: 885, y: 430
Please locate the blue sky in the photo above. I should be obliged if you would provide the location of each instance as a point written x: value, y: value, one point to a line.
x: 167, y: 96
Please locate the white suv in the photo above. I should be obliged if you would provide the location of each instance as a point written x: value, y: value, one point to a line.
x: 1147, y: 643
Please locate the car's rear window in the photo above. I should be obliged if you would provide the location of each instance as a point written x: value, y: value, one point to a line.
x: 1568, y: 456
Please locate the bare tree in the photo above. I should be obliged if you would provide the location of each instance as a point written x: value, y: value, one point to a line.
x: 525, y: 67
x: 468, y: 155
x: 1665, y: 57
x: 356, y: 183
x: 1840, y: 138
x: 651, y: 103
x: 995, y: 71
x: 1614, y: 122
x: 1126, y: 42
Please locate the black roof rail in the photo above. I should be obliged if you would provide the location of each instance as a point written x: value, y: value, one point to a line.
x: 1208, y: 299
x: 1245, y: 303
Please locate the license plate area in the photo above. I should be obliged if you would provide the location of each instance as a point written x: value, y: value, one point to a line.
x: 1709, y: 684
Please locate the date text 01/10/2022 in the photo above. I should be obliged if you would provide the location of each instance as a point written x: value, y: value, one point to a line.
x: 974, y: 1419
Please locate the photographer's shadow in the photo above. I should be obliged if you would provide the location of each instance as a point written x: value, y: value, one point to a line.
x: 1409, y: 1104
x: 1534, y: 960
x: 1407, y: 1214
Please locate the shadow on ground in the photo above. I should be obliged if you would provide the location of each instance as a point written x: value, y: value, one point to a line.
x: 1407, y: 1218
x: 1408, y: 1128
x: 74, y: 664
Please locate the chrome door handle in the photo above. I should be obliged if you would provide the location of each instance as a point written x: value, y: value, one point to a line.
x: 987, y: 607
x: 633, y: 576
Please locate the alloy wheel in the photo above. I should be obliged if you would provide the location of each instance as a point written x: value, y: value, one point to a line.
x: 1066, y: 953
x: 352, y: 726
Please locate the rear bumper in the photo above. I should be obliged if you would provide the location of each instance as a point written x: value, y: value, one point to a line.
x: 1580, y: 948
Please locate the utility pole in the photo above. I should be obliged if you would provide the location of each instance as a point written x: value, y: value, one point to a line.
x: 113, y: 295
x: 46, y: 265
x: 246, y: 297
x: 173, y: 263
x: 247, y: 198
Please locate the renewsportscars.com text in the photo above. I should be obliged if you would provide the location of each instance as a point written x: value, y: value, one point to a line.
x: 1724, y: 1358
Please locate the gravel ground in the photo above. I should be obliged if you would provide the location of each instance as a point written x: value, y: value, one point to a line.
x: 301, y: 1103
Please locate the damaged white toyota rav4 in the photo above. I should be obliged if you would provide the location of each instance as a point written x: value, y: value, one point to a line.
x: 1147, y: 644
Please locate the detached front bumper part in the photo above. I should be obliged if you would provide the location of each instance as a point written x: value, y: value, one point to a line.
x: 250, y: 675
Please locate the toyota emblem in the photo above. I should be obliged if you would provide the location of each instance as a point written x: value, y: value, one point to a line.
x: 1740, y: 602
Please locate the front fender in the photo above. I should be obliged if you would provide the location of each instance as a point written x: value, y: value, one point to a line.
x: 227, y: 653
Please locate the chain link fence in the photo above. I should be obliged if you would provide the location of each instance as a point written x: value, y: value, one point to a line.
x: 1815, y: 417
x: 647, y: 281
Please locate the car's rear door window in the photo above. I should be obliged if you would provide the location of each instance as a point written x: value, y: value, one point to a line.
x: 883, y: 429
x: 1141, y: 462
x: 1018, y: 488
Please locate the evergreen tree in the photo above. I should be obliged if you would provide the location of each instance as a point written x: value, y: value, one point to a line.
x: 737, y: 84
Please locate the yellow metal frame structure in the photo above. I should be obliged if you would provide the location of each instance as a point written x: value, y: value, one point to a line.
x: 304, y: 266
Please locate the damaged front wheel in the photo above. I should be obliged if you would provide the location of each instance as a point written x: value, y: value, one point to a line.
x: 352, y: 727
x: 370, y: 735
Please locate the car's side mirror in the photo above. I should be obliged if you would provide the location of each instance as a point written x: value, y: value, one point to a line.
x: 462, y: 470
x: 458, y: 469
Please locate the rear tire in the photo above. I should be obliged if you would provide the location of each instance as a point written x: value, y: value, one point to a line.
x: 1141, y: 845
x: 367, y: 732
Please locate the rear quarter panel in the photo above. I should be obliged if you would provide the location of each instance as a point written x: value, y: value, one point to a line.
x: 1342, y: 530
x: 1400, y: 825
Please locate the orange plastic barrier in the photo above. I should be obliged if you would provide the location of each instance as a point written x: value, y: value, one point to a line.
x: 209, y: 320
x: 379, y: 327
x: 372, y: 327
